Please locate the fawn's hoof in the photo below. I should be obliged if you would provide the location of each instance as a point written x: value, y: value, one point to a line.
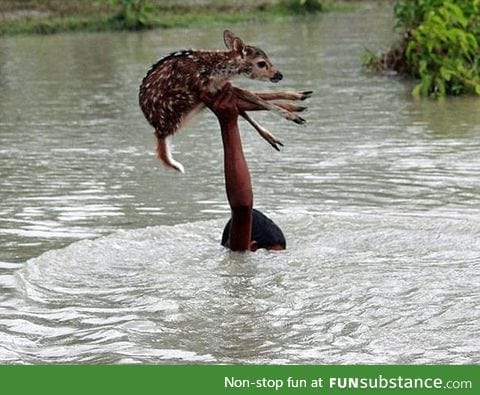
x: 299, y: 120
x: 276, y: 146
x: 306, y: 94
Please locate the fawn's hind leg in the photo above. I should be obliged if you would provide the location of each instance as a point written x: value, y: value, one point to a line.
x: 289, y: 106
x: 262, y: 103
x: 269, y: 137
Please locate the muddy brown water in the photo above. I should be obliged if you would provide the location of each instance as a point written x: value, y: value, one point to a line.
x: 105, y: 257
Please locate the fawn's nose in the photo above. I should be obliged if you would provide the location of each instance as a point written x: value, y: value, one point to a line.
x: 276, y: 77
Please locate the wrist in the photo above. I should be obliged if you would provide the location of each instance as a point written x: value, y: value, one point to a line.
x: 228, y: 121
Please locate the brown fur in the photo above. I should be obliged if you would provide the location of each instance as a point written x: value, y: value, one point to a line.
x: 170, y: 92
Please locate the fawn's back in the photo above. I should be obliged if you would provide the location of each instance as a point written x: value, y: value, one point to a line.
x: 171, y: 89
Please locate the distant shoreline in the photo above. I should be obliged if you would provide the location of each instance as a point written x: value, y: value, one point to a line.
x: 56, y: 16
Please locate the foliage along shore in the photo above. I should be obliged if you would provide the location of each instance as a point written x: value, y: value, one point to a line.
x: 53, y: 16
x: 440, y: 46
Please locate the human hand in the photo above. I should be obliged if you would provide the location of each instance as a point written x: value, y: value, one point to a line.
x: 224, y: 104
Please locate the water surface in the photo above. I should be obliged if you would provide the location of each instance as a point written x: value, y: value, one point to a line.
x: 105, y: 257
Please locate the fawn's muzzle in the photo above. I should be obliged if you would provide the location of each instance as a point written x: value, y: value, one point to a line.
x: 276, y: 77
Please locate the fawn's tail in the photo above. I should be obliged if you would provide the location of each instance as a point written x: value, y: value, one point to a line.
x: 164, y: 154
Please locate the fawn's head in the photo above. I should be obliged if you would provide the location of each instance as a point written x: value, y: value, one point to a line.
x: 255, y: 62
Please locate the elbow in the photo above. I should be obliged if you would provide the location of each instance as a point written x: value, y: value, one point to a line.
x: 241, y: 198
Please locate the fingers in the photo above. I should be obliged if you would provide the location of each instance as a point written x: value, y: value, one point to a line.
x: 225, y: 96
x: 226, y: 87
x: 219, y: 98
x: 223, y: 103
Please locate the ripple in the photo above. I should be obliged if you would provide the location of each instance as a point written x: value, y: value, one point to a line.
x: 170, y: 293
x: 377, y: 196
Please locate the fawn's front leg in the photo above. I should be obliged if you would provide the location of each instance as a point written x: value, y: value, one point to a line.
x: 291, y: 95
x: 252, y: 98
x: 274, y: 97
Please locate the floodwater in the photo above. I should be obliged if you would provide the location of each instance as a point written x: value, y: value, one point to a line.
x: 106, y: 257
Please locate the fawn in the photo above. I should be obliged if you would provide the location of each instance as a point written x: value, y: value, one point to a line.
x: 170, y: 93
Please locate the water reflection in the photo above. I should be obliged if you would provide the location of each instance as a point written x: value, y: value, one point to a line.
x: 441, y: 118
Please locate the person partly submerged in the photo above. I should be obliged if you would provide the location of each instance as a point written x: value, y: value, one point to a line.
x: 248, y: 229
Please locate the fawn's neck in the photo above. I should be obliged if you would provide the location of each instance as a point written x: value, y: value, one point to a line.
x: 222, y: 64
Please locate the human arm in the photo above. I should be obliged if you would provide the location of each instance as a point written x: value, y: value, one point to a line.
x: 237, y: 176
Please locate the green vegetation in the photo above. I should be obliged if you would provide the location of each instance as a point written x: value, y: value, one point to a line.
x: 51, y: 16
x: 439, y: 45
x: 302, y: 6
x: 134, y: 14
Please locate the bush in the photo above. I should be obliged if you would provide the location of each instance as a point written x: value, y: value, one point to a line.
x: 440, y: 46
x: 302, y: 6
x: 134, y: 14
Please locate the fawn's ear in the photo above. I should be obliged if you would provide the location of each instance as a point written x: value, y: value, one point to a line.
x: 234, y: 43
x: 228, y: 37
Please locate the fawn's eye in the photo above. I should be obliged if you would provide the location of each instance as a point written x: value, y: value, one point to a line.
x: 262, y: 64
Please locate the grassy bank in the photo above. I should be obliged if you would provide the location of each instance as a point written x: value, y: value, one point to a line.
x: 51, y: 16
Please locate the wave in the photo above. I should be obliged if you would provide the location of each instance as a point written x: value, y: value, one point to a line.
x: 383, y: 287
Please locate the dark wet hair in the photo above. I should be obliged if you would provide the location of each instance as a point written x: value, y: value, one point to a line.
x: 264, y: 231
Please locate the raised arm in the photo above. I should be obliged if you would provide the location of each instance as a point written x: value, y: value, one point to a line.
x: 237, y: 176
